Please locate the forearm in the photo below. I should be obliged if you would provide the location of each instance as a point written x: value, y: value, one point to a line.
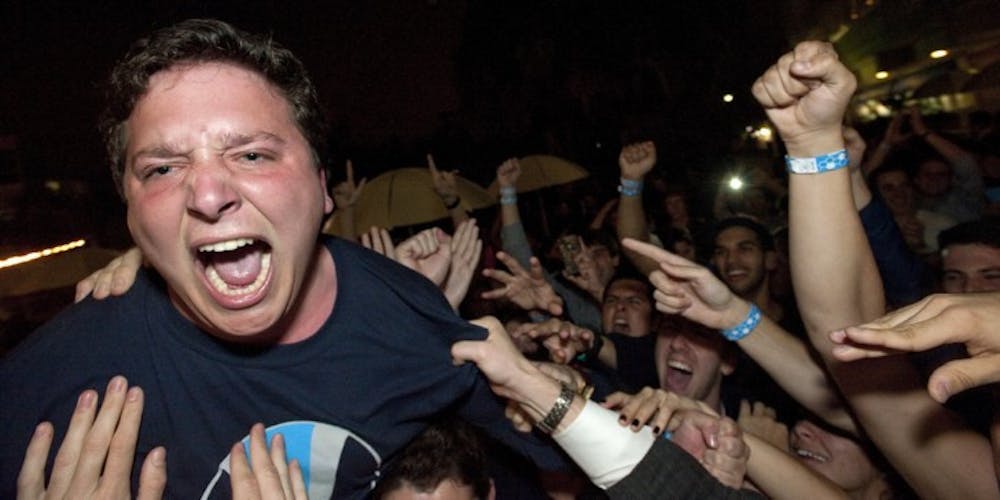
x: 458, y: 215
x: 788, y: 361
x: 514, y: 241
x: 632, y: 224
x: 781, y: 476
x: 831, y: 262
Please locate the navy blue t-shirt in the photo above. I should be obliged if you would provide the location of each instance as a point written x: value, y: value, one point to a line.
x: 346, y: 399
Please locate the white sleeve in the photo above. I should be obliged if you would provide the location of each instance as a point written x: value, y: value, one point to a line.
x: 603, y: 448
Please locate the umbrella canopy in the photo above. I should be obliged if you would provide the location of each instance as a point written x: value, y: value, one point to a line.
x: 55, y: 271
x: 540, y: 171
x: 406, y: 196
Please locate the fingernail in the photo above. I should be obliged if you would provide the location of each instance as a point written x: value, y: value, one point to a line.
x: 635, y: 423
x: 622, y: 420
x: 86, y: 399
x: 656, y: 430
x: 941, y: 391
x: 117, y: 384
x: 133, y: 394
x: 668, y: 435
x: 158, y: 456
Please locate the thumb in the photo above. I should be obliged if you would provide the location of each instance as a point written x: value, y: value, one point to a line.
x: 463, y: 351
x: 959, y: 375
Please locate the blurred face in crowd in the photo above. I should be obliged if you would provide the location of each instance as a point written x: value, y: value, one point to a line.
x: 676, y: 207
x: 742, y: 262
x: 691, y: 360
x: 627, y: 308
x: 605, y: 264
x: 837, y: 458
x: 933, y: 178
x: 225, y: 200
x: 449, y: 489
x: 896, y: 190
x: 970, y: 268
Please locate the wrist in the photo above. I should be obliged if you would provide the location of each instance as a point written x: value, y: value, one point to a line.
x: 630, y: 187
x: 815, y: 143
x: 746, y: 326
x: 735, y: 314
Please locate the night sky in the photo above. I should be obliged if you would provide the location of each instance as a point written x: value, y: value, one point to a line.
x: 387, y: 70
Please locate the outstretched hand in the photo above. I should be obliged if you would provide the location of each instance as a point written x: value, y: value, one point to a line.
x: 95, y: 458
x: 347, y: 193
x: 562, y: 339
x: 936, y: 320
x: 527, y: 290
x: 267, y: 475
x: 466, y: 248
x: 691, y: 290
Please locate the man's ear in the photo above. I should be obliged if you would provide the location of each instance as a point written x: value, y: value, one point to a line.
x: 328, y: 205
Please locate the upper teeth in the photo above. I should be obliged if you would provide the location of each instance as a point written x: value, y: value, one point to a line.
x: 226, y: 246
x: 809, y: 454
x: 677, y: 365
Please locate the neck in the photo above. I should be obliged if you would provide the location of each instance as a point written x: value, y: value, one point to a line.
x: 318, y: 295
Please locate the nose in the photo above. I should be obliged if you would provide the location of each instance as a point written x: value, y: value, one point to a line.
x: 803, y: 429
x: 211, y: 194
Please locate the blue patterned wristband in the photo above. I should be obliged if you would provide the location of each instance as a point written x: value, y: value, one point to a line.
x: 743, y: 329
x: 817, y: 165
x: 628, y: 187
x: 508, y: 195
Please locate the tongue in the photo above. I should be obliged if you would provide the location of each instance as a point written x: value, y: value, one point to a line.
x: 238, y: 268
x: 677, y: 380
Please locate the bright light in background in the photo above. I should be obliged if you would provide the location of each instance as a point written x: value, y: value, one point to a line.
x: 28, y: 257
x: 764, y: 133
x: 735, y: 183
x: 881, y: 75
x: 727, y: 98
x: 939, y: 53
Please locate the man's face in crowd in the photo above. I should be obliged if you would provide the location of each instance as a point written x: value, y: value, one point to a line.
x: 933, y: 178
x: 603, y: 262
x: 225, y: 199
x: 970, y: 268
x: 741, y: 261
x: 896, y: 190
x: 837, y: 458
x: 627, y: 308
x: 449, y: 489
x: 689, y: 361
x: 676, y: 207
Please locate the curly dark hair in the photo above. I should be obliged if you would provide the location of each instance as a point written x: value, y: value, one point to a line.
x: 207, y: 40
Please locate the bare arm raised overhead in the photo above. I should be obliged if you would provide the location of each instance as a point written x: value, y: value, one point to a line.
x: 837, y: 284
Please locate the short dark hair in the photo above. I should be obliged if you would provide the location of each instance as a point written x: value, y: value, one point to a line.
x: 763, y: 235
x: 628, y: 273
x: 207, y: 40
x: 983, y: 231
x: 448, y: 449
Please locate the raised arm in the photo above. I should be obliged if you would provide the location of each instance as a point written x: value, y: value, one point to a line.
x: 805, y: 94
x: 691, y: 290
x: 345, y: 196
x: 446, y: 187
x: 635, y: 161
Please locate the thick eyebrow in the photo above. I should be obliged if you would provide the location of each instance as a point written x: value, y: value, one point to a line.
x: 233, y: 140
x: 229, y: 140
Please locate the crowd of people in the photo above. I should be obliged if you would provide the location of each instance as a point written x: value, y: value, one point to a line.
x: 760, y: 350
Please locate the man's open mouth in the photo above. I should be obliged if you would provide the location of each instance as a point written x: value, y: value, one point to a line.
x: 236, y: 267
x: 810, y: 455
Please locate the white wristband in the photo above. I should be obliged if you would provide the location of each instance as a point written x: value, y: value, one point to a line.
x: 818, y: 164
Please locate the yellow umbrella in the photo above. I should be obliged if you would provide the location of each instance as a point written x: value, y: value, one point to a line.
x: 540, y: 171
x: 406, y: 196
